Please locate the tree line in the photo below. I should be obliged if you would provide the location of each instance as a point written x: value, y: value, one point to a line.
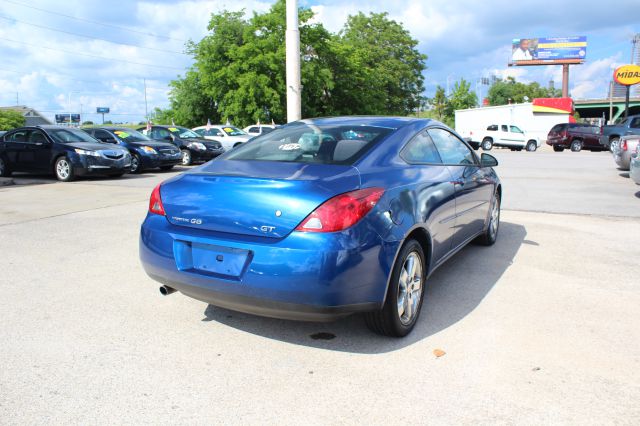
x: 371, y: 66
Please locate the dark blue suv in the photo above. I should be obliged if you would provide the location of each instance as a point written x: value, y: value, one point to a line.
x: 145, y: 152
x: 63, y: 151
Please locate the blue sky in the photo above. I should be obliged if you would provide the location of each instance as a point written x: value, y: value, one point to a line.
x: 55, y: 71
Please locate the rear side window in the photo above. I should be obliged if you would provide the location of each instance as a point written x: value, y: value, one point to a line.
x: 254, y: 130
x: 312, y: 143
x: 421, y: 150
x: 559, y: 128
x: 493, y: 128
x: 635, y: 123
x: 504, y: 128
x: 451, y: 149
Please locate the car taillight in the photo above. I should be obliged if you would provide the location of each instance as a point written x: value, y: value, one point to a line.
x: 341, y: 211
x: 623, y: 145
x: 155, y: 202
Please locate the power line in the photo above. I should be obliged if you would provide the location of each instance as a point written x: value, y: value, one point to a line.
x: 90, y: 37
x: 91, y: 56
x: 90, y: 21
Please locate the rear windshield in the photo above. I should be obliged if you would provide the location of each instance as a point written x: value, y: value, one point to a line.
x: 558, y: 127
x: 310, y: 143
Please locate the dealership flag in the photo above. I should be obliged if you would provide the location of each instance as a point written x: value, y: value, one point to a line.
x: 208, y: 124
x: 172, y: 123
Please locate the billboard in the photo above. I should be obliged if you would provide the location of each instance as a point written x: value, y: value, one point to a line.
x: 551, y: 50
x: 67, y: 118
x: 102, y: 110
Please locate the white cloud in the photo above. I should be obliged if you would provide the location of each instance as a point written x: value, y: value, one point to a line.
x: 463, y: 38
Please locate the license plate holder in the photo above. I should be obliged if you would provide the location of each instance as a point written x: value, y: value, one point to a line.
x: 211, y: 259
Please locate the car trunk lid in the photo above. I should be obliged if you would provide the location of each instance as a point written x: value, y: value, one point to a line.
x: 256, y: 198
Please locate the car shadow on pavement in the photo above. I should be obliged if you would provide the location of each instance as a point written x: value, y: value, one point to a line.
x: 454, y: 291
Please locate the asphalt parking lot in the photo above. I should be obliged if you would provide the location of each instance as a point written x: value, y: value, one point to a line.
x: 542, y: 328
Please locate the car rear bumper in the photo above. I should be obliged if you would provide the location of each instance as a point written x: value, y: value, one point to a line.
x: 304, y: 276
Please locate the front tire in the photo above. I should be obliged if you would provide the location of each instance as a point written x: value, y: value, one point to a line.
x: 487, y: 144
x: 576, y: 146
x: 136, y: 166
x: 490, y: 235
x: 532, y: 146
x: 63, y: 170
x: 404, y: 296
x: 186, y: 157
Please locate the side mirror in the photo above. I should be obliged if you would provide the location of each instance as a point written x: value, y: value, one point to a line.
x: 487, y: 160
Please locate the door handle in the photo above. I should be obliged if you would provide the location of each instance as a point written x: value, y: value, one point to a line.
x: 457, y: 182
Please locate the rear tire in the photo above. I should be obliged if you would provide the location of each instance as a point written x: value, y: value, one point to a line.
x: 404, y: 296
x: 532, y: 146
x: 613, y: 144
x: 63, y: 170
x: 490, y: 235
x: 4, y: 168
x: 576, y: 146
x: 487, y: 144
x: 557, y: 148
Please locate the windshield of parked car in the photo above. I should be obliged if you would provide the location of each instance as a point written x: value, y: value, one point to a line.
x: 70, y: 136
x: 130, y: 135
x: 234, y: 131
x: 310, y: 143
x: 183, y: 132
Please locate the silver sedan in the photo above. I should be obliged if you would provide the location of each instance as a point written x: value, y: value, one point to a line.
x: 623, y: 150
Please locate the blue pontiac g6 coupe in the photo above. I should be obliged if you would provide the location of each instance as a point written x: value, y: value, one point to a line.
x: 322, y: 218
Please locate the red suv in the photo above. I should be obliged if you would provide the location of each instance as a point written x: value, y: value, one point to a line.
x: 575, y: 136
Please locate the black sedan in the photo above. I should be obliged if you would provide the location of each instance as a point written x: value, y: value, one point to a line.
x: 194, y: 148
x: 145, y: 152
x: 65, y: 152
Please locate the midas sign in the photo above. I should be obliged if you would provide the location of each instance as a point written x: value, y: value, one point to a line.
x: 627, y: 75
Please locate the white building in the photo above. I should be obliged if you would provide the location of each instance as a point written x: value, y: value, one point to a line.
x: 533, y: 118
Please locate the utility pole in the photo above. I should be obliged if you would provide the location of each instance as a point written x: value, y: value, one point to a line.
x: 294, y: 102
x: 146, y: 109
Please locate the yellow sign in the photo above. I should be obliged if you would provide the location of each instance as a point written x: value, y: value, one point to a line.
x: 627, y: 75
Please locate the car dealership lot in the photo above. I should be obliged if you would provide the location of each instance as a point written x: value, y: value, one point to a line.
x: 540, y: 328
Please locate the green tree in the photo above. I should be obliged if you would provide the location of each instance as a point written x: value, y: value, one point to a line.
x: 371, y: 67
x: 462, y: 97
x: 439, y: 104
x: 378, y: 68
x: 191, y: 106
x: 504, y: 90
x: 10, y: 119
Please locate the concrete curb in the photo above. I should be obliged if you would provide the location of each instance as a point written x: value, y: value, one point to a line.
x: 6, y: 181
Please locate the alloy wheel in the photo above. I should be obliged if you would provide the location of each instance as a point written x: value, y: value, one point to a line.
x: 186, y: 157
x: 135, y: 164
x: 63, y: 169
x: 409, y: 288
x: 494, y: 220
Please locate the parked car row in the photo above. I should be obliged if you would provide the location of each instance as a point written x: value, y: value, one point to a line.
x: 112, y: 151
x: 582, y: 136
